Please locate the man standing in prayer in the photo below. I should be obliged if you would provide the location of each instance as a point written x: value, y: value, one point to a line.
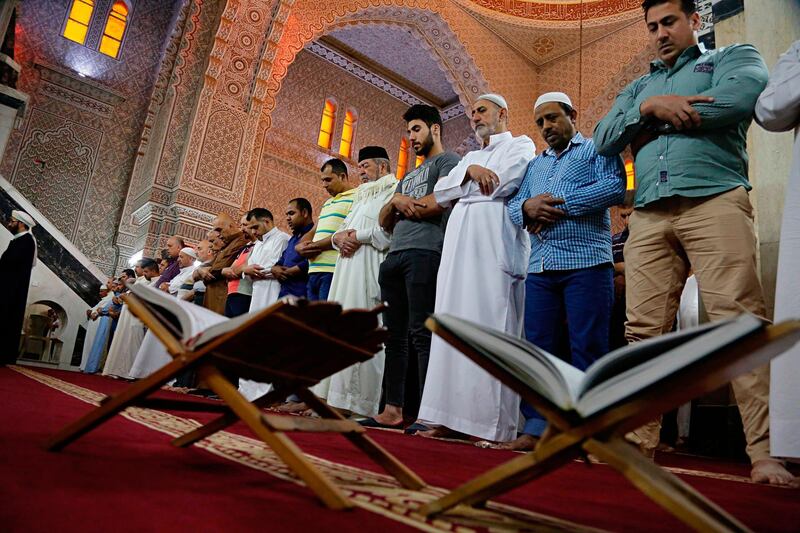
x: 240, y: 288
x: 174, y: 246
x: 270, y: 245
x: 778, y: 109
x: 318, y: 249
x: 205, y: 254
x: 408, y: 274
x: 92, y: 324
x: 686, y: 122
x: 291, y: 270
x: 563, y: 201
x: 481, y: 277
x: 16, y: 264
x: 186, y: 259
x: 362, y: 246
x: 232, y: 240
x: 130, y: 330
x: 105, y: 317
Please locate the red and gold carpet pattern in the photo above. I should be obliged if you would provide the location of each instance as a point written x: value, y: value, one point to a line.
x: 126, y: 476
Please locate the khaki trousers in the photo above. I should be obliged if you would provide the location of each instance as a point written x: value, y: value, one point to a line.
x: 714, y: 236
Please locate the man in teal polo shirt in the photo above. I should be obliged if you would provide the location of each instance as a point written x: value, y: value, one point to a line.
x: 686, y: 123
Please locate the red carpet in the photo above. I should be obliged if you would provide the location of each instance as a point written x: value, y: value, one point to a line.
x: 125, y: 476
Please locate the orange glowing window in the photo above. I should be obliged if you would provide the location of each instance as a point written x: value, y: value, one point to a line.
x: 111, y: 42
x: 346, y: 144
x: 78, y: 20
x: 402, y: 159
x: 326, y: 126
x: 418, y: 161
x: 630, y: 176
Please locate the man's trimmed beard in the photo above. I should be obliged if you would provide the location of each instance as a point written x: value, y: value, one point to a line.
x: 425, y: 146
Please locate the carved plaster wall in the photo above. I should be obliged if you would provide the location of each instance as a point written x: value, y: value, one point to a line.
x: 73, y: 155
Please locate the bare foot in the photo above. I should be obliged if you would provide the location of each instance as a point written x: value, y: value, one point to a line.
x: 772, y: 472
x: 292, y: 407
x: 443, y: 432
x: 391, y: 416
x: 522, y: 443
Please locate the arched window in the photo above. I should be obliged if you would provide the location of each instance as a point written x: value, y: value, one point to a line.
x: 326, y: 126
x: 346, y: 144
x: 111, y: 42
x: 630, y: 175
x: 78, y: 20
x: 418, y: 161
x: 402, y: 159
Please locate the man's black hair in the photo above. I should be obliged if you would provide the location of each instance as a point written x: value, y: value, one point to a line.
x: 337, y: 166
x: 687, y: 6
x: 129, y: 272
x: 165, y: 254
x: 148, y: 263
x: 259, y: 213
x: 427, y: 114
x: 566, y: 107
x: 302, y: 204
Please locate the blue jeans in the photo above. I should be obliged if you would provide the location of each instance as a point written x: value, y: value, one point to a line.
x: 584, y: 297
x: 319, y: 285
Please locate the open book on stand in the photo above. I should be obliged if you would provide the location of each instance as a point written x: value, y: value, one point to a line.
x: 193, y: 324
x: 612, y: 379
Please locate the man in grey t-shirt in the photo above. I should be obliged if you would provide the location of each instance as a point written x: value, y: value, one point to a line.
x: 408, y: 274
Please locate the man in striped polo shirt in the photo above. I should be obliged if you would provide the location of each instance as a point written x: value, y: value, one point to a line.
x: 563, y: 202
x: 317, y: 246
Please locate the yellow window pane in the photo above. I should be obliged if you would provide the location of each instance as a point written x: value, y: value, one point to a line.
x: 81, y: 11
x: 109, y: 46
x: 418, y: 161
x: 120, y: 7
x: 344, y: 148
x: 324, y: 140
x: 75, y: 31
x: 115, y: 28
x: 402, y: 159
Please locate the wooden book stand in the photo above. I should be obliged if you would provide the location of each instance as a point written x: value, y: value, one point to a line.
x: 290, y: 346
x: 570, y: 436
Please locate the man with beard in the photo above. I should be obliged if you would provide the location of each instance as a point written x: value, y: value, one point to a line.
x: 686, y: 122
x: 563, y: 201
x: 481, y: 278
x: 362, y: 246
x: 230, y: 239
x: 15, y: 270
x: 408, y: 274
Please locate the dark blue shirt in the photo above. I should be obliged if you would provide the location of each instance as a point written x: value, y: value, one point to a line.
x: 296, y: 285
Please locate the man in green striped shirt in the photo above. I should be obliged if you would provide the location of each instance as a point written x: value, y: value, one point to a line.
x: 686, y: 123
x: 318, y: 249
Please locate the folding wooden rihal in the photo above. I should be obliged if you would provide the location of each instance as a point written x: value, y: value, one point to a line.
x: 291, y: 346
x: 570, y: 436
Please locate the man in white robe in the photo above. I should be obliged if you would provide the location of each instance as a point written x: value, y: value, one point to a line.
x: 92, y: 324
x: 362, y: 246
x: 270, y: 242
x: 778, y: 109
x: 186, y: 259
x: 130, y: 330
x: 481, y: 278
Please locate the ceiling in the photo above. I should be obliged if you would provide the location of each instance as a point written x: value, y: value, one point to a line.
x: 397, y: 54
x: 395, y: 57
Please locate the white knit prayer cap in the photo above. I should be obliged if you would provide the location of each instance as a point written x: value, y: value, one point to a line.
x: 103, y: 287
x: 553, y: 97
x: 23, y: 217
x: 189, y: 251
x: 495, y: 99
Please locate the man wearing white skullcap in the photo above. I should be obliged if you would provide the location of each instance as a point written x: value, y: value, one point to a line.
x: 563, y: 201
x: 481, y: 277
x: 186, y: 258
x: 15, y: 271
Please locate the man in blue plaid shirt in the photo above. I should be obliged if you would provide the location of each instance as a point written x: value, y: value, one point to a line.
x: 563, y: 202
